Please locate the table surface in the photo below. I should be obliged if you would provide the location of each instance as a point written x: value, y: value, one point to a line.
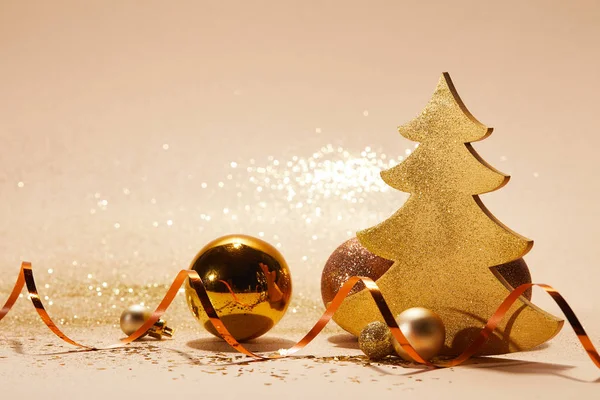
x: 193, y: 362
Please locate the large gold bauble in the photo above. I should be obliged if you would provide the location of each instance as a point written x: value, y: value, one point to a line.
x: 423, y: 329
x: 248, y: 283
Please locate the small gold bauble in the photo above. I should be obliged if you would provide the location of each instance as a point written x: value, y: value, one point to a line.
x: 134, y: 317
x: 423, y: 329
x: 248, y: 283
x: 375, y: 340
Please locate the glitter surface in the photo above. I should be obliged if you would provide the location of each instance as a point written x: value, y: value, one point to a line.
x: 138, y: 235
x: 376, y: 341
x: 443, y: 240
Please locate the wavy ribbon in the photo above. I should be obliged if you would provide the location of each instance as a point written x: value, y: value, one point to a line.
x: 25, y: 278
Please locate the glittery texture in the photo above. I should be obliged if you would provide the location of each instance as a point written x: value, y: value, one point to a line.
x: 376, y: 340
x: 444, y: 241
x: 136, y: 233
x: 350, y: 259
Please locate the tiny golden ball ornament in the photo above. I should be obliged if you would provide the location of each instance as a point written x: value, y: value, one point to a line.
x: 375, y: 341
x: 133, y: 317
x: 248, y: 283
x: 423, y: 329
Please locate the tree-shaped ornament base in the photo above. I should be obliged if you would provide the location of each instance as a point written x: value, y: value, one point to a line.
x: 444, y: 242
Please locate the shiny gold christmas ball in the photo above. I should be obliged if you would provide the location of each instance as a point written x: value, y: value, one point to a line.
x: 423, y: 329
x: 248, y: 283
x: 375, y: 341
x: 348, y: 260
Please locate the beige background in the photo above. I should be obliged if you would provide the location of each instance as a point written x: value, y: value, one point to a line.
x: 139, y: 103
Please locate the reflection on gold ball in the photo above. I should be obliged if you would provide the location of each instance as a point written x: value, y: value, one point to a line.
x: 248, y: 283
x: 348, y: 260
x: 423, y: 329
x: 375, y: 341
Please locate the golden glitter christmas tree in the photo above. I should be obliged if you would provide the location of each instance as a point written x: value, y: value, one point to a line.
x: 444, y: 242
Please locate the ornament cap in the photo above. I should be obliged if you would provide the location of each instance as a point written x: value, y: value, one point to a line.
x: 161, y: 329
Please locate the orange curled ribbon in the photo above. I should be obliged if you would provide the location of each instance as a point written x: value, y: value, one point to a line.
x: 25, y: 278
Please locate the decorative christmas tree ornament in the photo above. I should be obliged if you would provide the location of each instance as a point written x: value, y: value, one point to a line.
x: 248, y: 283
x: 134, y: 317
x: 350, y: 259
x: 376, y: 341
x: 444, y: 243
x: 424, y: 330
